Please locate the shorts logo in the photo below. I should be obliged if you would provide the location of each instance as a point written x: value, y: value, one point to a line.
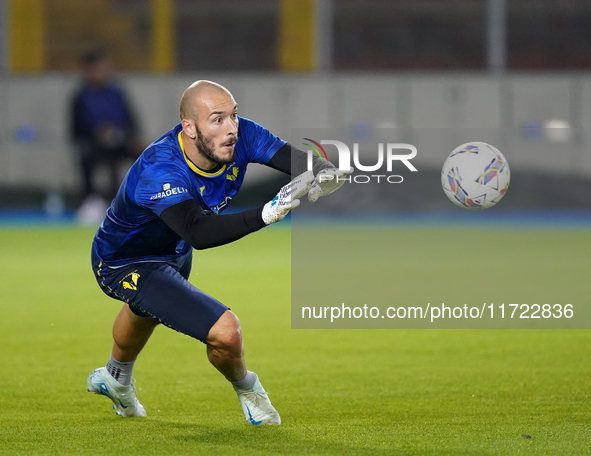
x: 166, y: 187
x: 131, y: 282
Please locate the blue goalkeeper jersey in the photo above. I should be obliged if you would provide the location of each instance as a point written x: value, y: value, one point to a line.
x: 163, y: 176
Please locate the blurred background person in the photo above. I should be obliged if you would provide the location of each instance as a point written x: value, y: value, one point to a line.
x: 104, y: 130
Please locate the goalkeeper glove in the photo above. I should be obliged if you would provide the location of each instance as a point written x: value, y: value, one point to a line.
x: 287, y: 198
x: 327, y: 181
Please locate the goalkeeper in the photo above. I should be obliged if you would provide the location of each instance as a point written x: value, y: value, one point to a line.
x: 167, y: 205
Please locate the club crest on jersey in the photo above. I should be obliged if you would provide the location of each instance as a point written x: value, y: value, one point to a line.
x: 167, y: 191
x: 233, y: 173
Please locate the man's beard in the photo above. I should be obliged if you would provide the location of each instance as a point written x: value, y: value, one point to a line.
x: 206, y: 147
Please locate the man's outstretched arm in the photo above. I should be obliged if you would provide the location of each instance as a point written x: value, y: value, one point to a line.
x: 202, y: 231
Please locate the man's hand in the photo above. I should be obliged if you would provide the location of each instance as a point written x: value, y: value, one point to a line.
x: 287, y: 198
x: 327, y: 181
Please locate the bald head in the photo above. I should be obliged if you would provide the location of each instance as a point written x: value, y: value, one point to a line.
x: 199, y: 95
x: 209, y: 118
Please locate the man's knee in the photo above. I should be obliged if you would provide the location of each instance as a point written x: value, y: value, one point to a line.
x: 225, y: 334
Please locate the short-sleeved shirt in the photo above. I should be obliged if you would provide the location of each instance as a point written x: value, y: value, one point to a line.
x: 163, y: 176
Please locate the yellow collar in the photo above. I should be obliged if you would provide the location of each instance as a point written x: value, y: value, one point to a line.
x: 192, y: 165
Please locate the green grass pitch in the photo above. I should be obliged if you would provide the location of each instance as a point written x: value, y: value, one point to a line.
x: 342, y: 392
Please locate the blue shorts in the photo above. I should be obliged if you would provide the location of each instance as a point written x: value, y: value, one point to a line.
x: 159, y: 291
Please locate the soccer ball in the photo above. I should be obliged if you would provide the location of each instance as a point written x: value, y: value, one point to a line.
x: 475, y: 176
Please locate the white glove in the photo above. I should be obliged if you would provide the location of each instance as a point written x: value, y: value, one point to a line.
x: 287, y: 198
x: 327, y: 181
